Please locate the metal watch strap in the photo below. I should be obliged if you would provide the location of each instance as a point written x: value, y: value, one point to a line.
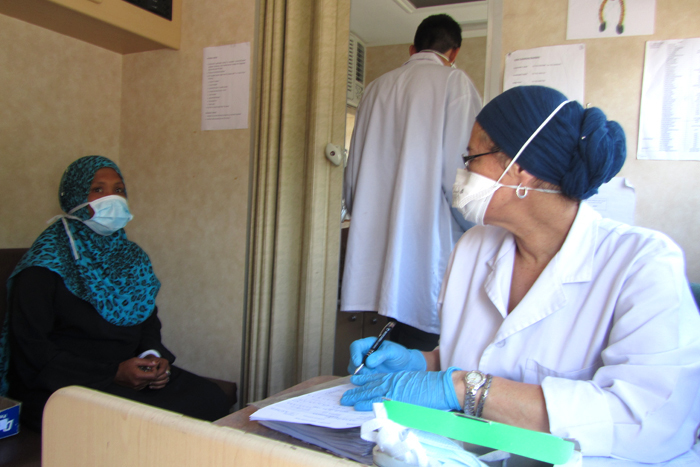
x: 482, y: 401
x: 473, y: 381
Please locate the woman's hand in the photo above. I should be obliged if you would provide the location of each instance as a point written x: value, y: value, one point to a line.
x: 388, y: 358
x: 427, y: 388
x: 162, y: 372
x: 137, y: 373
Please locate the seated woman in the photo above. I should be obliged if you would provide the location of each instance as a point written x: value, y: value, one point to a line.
x: 82, y: 308
x: 566, y: 322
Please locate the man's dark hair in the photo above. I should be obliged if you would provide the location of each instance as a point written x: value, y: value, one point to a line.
x: 438, y: 32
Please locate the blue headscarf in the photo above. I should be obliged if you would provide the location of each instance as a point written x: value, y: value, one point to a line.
x: 111, y: 273
x: 578, y: 149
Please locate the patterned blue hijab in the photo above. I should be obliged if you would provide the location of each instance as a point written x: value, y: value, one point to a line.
x: 111, y: 273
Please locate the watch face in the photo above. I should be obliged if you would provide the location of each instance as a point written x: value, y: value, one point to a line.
x: 474, y: 378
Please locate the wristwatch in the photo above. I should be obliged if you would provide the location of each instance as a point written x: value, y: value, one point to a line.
x: 473, y: 381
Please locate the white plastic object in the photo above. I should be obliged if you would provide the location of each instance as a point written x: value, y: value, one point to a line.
x: 334, y: 154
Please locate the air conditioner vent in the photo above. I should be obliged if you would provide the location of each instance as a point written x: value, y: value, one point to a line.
x: 356, y: 71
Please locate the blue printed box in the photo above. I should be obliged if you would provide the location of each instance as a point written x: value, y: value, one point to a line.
x: 9, y: 417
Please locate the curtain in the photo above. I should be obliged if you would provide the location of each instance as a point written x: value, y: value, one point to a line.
x: 294, y: 223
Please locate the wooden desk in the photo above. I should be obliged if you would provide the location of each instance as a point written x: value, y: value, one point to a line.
x: 240, y: 420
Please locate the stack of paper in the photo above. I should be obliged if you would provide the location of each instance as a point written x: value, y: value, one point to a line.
x: 318, y: 418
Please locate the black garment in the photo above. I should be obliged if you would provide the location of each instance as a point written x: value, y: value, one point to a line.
x: 58, y: 340
x: 413, y: 338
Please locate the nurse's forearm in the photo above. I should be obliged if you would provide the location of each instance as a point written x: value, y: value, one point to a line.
x: 432, y: 359
x: 509, y: 402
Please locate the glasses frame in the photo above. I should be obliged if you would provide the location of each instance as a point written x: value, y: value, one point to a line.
x: 467, y: 158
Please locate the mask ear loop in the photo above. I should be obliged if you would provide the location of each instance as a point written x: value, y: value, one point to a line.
x: 63, y: 218
x: 546, y: 120
x: 441, y: 55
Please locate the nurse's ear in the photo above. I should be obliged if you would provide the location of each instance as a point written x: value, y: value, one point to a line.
x: 516, y: 174
x: 412, y: 49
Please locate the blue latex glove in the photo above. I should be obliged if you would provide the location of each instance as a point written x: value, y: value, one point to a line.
x: 388, y: 358
x: 427, y: 388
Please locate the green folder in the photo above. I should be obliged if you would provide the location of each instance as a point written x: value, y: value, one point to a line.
x: 540, y: 446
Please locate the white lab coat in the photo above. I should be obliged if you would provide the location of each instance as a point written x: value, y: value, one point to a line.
x: 609, y: 329
x: 412, y: 127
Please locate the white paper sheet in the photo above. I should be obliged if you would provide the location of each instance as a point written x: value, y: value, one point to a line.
x: 561, y: 67
x: 615, y: 200
x: 620, y: 18
x: 321, y: 408
x: 226, y: 87
x: 669, y: 118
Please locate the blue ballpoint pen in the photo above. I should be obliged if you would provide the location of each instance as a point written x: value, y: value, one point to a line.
x: 382, y: 335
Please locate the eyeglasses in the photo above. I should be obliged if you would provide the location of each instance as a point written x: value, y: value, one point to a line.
x: 467, y: 158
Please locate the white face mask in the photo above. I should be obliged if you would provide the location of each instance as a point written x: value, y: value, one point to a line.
x: 111, y: 213
x: 472, y: 193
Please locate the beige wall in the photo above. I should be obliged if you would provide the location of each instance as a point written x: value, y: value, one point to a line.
x: 471, y: 58
x: 59, y: 99
x: 667, y: 195
x: 188, y: 189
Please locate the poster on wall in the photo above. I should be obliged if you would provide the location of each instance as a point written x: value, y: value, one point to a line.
x: 226, y: 87
x: 561, y: 67
x: 615, y: 200
x: 669, y: 117
x: 591, y: 19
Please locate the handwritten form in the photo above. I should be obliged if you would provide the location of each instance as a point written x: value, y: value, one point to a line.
x: 320, y: 408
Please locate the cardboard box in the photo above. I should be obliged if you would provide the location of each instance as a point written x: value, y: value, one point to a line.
x: 9, y: 417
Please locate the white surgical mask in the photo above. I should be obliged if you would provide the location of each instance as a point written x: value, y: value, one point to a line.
x: 111, y: 213
x: 472, y: 193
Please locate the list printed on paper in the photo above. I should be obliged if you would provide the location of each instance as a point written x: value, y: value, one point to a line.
x: 226, y: 87
x: 669, y: 118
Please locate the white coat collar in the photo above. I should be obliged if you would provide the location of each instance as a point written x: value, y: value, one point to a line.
x: 547, y: 294
x: 582, y: 237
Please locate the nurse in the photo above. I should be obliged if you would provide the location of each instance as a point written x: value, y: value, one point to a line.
x: 552, y: 317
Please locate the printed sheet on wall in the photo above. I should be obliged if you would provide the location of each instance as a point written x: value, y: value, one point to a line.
x: 669, y: 118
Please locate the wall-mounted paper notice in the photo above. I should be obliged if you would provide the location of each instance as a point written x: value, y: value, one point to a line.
x: 226, y: 87
x: 560, y: 67
x: 669, y: 117
x: 615, y: 200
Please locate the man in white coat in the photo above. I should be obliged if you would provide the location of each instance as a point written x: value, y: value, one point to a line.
x: 412, y: 127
